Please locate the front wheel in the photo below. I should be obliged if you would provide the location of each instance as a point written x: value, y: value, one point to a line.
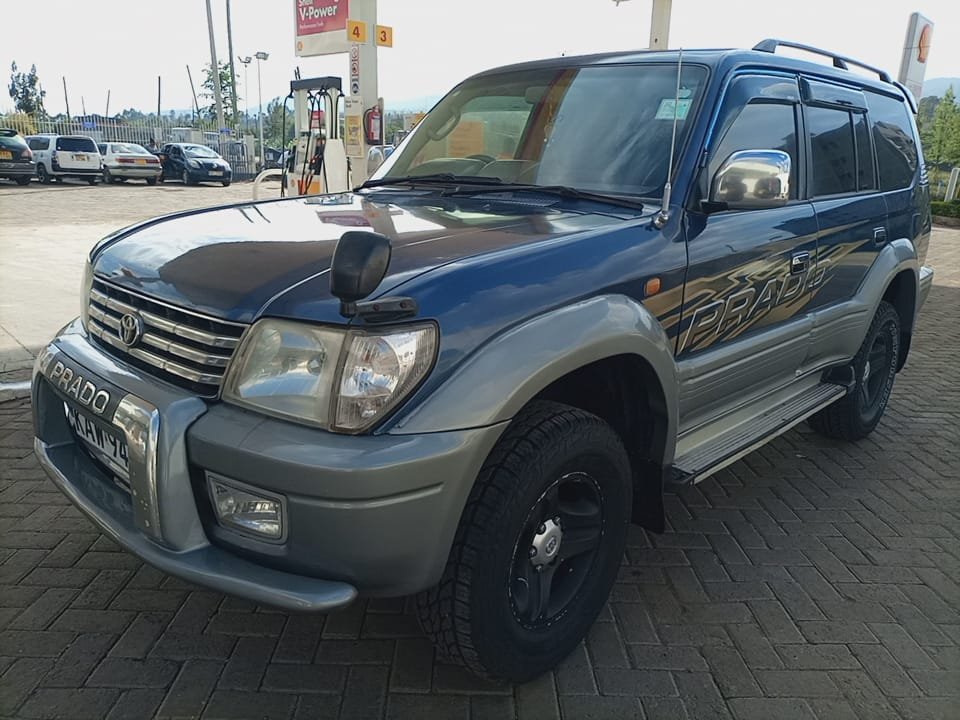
x: 24, y: 180
x: 225, y: 183
x: 107, y: 177
x: 186, y: 178
x: 93, y: 180
x: 855, y: 415
x: 538, y: 546
x: 42, y: 175
x: 151, y: 181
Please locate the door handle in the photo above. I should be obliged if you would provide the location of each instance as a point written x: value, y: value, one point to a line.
x: 799, y: 262
x: 879, y: 236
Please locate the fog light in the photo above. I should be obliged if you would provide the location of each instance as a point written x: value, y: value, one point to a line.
x: 239, y: 508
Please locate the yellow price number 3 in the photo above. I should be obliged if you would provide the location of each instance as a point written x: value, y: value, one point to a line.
x: 384, y: 36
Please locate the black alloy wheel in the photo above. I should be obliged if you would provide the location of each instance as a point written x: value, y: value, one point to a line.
x: 538, y: 546
x: 555, y: 550
x: 873, y: 370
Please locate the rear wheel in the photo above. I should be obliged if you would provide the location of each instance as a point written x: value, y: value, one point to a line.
x: 24, y: 180
x: 93, y: 179
x: 855, y: 415
x: 538, y: 546
x: 42, y: 175
x: 107, y: 177
x: 151, y: 181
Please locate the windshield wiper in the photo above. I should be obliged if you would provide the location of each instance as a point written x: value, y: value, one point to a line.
x: 433, y: 179
x: 563, y: 191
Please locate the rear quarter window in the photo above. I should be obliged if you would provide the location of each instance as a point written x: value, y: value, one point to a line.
x: 70, y: 144
x: 897, y: 155
x: 39, y: 143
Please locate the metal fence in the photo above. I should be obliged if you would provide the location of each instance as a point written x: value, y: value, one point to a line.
x: 238, y: 150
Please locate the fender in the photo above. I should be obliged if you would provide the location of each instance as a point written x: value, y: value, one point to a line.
x: 499, y: 378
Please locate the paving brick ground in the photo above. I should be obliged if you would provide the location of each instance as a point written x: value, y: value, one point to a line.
x: 813, y: 579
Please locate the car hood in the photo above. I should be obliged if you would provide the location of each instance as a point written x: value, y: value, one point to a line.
x: 241, y: 261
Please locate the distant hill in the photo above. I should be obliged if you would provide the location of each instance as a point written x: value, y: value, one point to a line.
x: 938, y: 86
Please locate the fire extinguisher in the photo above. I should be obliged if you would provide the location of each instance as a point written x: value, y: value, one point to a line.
x: 373, y: 126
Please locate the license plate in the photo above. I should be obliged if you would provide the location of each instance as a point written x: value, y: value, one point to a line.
x: 108, y: 447
x: 79, y: 156
x: 6, y: 155
x: 216, y: 173
x: 141, y: 162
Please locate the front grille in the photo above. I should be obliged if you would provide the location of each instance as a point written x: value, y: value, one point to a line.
x: 182, y: 347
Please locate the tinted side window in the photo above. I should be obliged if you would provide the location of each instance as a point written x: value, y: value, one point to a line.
x: 832, y: 151
x: 39, y: 143
x: 866, y: 179
x: 761, y: 126
x: 893, y: 136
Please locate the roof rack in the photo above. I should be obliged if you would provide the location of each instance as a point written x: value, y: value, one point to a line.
x: 770, y: 45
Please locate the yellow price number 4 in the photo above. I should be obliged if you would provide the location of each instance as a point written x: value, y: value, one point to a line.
x: 357, y: 31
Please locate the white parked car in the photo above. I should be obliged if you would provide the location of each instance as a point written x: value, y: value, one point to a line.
x: 60, y: 156
x: 129, y: 161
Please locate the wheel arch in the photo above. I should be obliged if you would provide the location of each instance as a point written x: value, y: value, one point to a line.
x: 902, y: 292
x: 597, y: 346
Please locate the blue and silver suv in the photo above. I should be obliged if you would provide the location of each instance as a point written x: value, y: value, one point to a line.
x: 577, y: 280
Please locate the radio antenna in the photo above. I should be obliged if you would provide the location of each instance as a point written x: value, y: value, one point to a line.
x: 661, y: 218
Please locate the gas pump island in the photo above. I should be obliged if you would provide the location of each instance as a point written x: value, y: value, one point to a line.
x: 323, y: 161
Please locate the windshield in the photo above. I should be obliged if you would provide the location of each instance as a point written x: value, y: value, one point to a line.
x: 201, y: 151
x: 599, y: 128
x: 129, y: 149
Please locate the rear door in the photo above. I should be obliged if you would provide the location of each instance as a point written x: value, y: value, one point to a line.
x: 745, y: 327
x: 851, y: 212
x: 77, y: 153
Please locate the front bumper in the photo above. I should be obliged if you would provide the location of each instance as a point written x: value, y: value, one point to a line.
x: 205, y: 176
x: 374, y: 515
x: 926, y: 282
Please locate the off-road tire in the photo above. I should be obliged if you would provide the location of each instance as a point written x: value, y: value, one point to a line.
x: 468, y: 615
x: 848, y: 418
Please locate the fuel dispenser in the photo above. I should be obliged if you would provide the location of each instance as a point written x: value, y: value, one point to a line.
x: 318, y: 161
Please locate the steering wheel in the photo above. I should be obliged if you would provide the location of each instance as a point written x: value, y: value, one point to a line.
x: 483, y: 158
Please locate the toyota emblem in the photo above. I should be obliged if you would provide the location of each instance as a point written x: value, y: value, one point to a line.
x: 130, y: 330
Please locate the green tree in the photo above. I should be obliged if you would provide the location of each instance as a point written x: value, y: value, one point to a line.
x: 942, y: 140
x: 273, y: 124
x: 226, y: 93
x: 25, y: 91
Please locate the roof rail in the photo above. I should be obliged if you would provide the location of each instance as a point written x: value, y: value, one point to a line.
x: 770, y: 45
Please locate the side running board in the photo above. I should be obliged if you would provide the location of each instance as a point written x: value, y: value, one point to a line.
x: 727, y: 447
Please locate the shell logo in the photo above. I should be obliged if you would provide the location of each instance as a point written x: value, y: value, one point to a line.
x: 923, y: 46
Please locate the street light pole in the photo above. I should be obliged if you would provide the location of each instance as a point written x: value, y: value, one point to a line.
x: 260, y: 55
x: 246, y: 91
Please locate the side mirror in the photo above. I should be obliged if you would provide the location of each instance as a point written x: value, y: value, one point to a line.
x: 360, y: 262
x: 751, y: 179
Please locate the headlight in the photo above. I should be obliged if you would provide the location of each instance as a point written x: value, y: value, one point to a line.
x: 379, y: 371
x: 193, y: 163
x: 336, y: 379
x: 85, y: 286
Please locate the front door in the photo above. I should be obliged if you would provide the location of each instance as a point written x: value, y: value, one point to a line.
x: 750, y: 272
